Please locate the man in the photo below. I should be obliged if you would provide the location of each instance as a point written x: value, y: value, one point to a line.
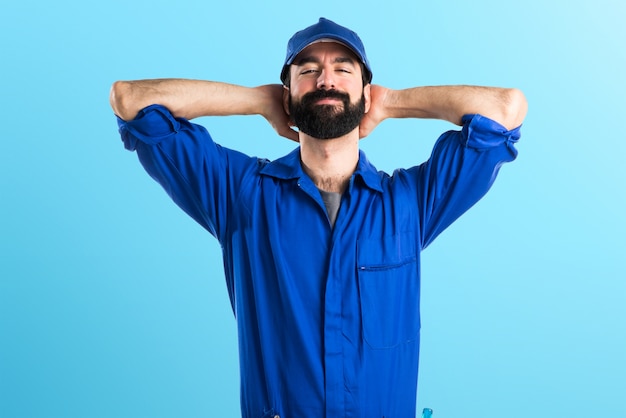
x: 321, y: 251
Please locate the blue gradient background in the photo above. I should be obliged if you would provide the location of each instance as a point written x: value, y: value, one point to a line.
x: 112, y: 301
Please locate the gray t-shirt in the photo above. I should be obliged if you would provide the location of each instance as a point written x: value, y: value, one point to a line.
x: 332, y: 200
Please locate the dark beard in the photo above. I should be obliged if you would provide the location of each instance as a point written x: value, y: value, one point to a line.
x: 325, y: 121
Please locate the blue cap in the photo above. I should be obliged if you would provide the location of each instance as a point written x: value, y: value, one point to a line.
x: 325, y: 29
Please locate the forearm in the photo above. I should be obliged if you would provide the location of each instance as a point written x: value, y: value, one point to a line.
x: 187, y: 98
x: 505, y: 106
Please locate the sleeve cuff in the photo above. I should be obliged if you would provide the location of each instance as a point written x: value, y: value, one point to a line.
x: 152, y: 125
x: 480, y: 132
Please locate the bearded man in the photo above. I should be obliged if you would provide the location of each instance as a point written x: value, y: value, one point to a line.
x: 321, y: 251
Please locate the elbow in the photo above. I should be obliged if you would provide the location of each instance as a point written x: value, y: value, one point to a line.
x: 119, y: 99
x: 514, y: 109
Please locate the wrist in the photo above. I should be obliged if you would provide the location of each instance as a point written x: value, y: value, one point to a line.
x: 266, y: 98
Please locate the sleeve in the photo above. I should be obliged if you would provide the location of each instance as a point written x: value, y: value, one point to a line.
x: 462, y: 168
x: 199, y: 175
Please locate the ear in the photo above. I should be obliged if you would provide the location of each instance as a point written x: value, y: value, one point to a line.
x: 286, y: 99
x: 367, y: 94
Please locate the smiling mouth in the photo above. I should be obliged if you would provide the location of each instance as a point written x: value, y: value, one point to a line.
x: 328, y: 101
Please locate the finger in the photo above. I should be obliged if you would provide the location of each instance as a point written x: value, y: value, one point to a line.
x: 364, y: 130
x: 290, y: 134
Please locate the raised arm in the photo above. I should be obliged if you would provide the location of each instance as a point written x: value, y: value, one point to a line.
x: 194, y: 98
x: 505, y: 106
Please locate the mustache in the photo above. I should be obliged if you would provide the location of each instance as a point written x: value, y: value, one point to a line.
x: 324, y: 94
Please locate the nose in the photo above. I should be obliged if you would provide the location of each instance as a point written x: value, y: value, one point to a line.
x: 326, y: 81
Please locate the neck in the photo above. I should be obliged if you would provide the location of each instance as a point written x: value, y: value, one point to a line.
x: 330, y: 162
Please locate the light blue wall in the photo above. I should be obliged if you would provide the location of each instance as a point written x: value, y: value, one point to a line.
x: 112, y: 301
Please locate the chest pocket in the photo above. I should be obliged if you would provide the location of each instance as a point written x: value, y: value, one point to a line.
x: 389, y: 290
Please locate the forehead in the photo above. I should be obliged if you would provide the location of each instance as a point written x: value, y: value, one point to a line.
x: 325, y: 49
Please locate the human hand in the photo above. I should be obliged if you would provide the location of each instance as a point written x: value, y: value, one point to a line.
x: 377, y: 112
x: 274, y: 112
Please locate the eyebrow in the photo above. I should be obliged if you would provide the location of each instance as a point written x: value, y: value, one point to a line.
x: 311, y: 59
